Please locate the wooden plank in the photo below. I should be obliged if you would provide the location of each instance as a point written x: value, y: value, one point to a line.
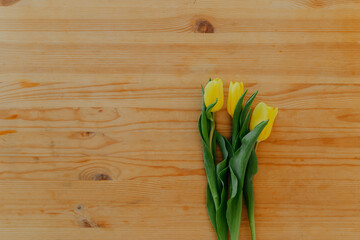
x: 191, y: 55
x: 124, y: 207
x: 100, y: 102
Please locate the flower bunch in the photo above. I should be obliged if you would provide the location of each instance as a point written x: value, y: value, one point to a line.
x: 232, y: 177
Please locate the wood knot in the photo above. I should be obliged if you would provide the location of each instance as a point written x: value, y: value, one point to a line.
x: 27, y: 84
x: 99, y: 173
x: 87, y: 134
x: 85, y: 223
x: 80, y: 207
x: 101, y: 177
x: 203, y: 26
x: 85, y: 220
x: 98, y: 114
x: 14, y: 116
x: 6, y: 3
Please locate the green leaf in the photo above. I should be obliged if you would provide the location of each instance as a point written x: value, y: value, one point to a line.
x: 203, y: 102
x: 203, y: 121
x: 233, y: 186
x: 237, y: 142
x: 200, y: 129
x: 225, y: 145
x: 245, y: 127
x: 237, y: 165
x: 222, y: 174
x: 206, y: 121
x: 221, y: 223
x: 233, y: 213
x: 209, y: 161
x: 209, y: 114
x: 251, y: 170
x: 224, y: 163
x: 237, y: 112
x: 210, y: 205
x: 247, y: 106
x: 222, y: 167
x: 243, y: 122
x: 213, y: 144
x: 209, y: 164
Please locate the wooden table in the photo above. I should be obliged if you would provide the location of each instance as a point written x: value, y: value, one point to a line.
x: 100, y: 101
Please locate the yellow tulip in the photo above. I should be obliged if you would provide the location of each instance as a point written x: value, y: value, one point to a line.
x: 213, y: 91
x: 263, y: 112
x: 235, y: 92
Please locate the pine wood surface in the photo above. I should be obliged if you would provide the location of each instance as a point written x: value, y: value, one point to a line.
x: 99, y: 102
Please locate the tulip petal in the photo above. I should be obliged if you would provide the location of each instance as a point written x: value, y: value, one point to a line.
x: 229, y: 99
x: 210, y: 93
x: 213, y: 91
x: 235, y: 92
x: 263, y: 112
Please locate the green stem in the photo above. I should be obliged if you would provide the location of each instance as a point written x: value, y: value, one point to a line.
x: 252, y: 169
x: 212, y: 130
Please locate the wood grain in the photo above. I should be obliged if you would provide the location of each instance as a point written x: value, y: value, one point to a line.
x: 100, y: 102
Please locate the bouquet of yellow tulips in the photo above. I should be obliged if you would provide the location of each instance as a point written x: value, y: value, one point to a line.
x: 232, y: 177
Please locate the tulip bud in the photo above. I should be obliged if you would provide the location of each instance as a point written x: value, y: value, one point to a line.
x: 213, y: 91
x: 263, y: 112
x: 235, y: 92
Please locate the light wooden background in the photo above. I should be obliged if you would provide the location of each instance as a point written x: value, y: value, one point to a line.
x: 99, y: 102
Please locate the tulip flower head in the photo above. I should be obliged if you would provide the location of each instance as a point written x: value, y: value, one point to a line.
x: 235, y: 92
x: 213, y: 91
x: 263, y: 112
